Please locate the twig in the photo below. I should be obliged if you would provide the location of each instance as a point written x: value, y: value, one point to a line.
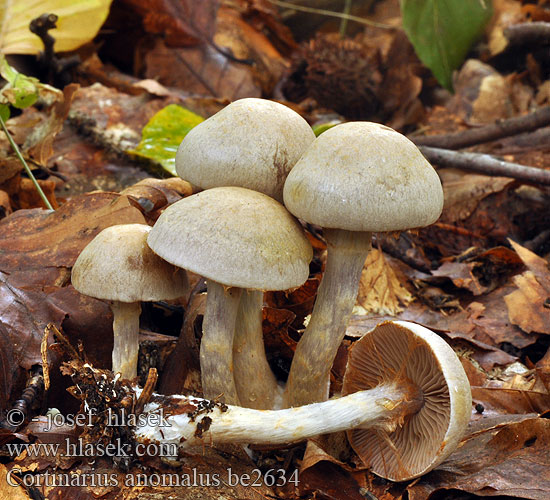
x: 502, y: 128
x: 330, y: 13
x: 485, y: 164
x: 528, y: 33
x: 344, y: 20
x: 24, y: 163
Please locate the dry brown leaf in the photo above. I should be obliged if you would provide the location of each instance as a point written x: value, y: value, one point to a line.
x: 463, y: 192
x: 200, y: 70
x: 528, y: 305
x: 181, y: 22
x: 7, y: 490
x: 511, y: 461
x: 380, y: 291
x: 5, y: 205
x: 38, y: 239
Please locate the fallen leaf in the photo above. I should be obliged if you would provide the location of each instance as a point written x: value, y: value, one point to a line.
x: 40, y: 239
x: 511, y: 461
x: 463, y: 192
x: 181, y: 22
x: 380, y: 291
x: 200, y: 70
x: 162, y: 135
x: 528, y: 306
x: 8, y: 489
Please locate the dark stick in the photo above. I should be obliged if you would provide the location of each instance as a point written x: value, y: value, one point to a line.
x: 485, y: 164
x: 527, y: 33
x: 502, y: 128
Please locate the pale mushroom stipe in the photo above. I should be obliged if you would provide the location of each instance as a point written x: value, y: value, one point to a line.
x: 355, y: 179
x: 251, y: 143
x: 117, y: 265
x: 412, y: 408
x: 221, y: 234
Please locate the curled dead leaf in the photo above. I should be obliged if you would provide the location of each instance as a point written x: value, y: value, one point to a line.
x: 380, y: 291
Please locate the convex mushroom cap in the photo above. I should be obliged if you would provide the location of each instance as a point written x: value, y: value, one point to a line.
x: 236, y: 237
x: 364, y: 176
x: 417, y: 356
x: 251, y: 143
x: 118, y: 265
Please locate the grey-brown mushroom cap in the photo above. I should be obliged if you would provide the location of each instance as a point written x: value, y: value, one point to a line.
x: 403, y: 349
x: 119, y: 265
x: 364, y: 176
x: 236, y: 237
x: 252, y: 143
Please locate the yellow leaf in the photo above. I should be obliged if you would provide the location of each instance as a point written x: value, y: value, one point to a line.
x: 380, y: 291
x: 78, y: 23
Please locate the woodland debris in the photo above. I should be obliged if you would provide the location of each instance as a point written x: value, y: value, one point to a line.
x: 485, y: 164
x: 502, y: 128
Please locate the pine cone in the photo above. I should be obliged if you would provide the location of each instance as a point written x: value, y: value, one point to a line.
x: 340, y: 74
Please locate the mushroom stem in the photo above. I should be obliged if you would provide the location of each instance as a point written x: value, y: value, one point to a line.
x: 193, y: 421
x: 255, y: 382
x: 126, y: 337
x: 309, y: 376
x: 216, y: 351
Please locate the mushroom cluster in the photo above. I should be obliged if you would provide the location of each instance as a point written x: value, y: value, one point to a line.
x: 406, y: 396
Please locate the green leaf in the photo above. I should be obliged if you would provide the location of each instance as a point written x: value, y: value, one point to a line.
x: 442, y: 31
x: 323, y: 127
x: 22, y: 90
x: 163, y: 134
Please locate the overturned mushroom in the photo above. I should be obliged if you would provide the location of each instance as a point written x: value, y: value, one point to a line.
x: 117, y: 265
x: 412, y: 409
x: 239, y: 240
x: 355, y: 179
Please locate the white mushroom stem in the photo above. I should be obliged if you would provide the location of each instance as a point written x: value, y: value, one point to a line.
x: 255, y: 382
x: 126, y: 337
x: 216, y: 351
x: 309, y: 376
x: 186, y: 425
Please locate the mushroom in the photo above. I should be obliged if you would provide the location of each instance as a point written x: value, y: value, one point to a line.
x: 412, y: 407
x: 251, y: 143
x: 239, y: 240
x: 355, y: 179
x: 117, y: 265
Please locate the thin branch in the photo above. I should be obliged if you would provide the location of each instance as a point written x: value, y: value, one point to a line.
x: 330, y: 13
x: 485, y: 164
x: 498, y: 130
x: 528, y: 33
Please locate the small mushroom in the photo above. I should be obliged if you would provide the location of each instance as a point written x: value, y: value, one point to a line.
x: 412, y: 408
x: 251, y: 143
x: 355, y: 179
x: 117, y: 265
x: 239, y: 240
